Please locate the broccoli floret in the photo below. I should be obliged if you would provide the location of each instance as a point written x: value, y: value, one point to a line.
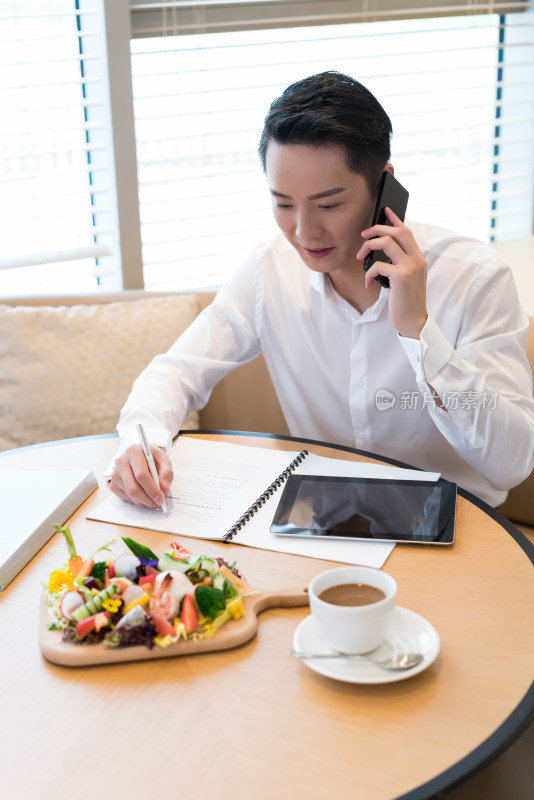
x: 98, y: 571
x: 210, y: 600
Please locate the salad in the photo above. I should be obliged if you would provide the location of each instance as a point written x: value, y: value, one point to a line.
x: 139, y: 598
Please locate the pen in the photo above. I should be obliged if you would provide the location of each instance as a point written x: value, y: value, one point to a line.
x: 150, y: 461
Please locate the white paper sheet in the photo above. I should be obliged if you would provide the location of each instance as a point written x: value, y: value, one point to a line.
x: 216, y: 482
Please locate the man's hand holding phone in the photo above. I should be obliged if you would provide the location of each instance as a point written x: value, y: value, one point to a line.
x: 392, y: 257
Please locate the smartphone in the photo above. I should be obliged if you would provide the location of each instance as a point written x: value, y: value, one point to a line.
x: 392, y: 194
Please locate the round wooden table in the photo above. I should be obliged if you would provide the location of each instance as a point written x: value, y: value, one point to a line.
x: 253, y: 722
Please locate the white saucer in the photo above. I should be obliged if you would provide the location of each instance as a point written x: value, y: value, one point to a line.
x: 407, y: 632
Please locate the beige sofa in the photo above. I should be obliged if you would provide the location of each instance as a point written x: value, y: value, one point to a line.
x: 245, y: 400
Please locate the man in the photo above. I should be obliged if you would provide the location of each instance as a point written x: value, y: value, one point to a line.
x: 431, y: 371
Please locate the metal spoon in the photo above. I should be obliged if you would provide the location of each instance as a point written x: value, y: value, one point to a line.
x: 397, y: 662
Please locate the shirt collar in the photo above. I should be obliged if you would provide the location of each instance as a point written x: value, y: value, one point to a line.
x: 320, y: 282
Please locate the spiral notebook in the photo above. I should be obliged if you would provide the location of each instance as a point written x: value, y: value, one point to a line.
x: 229, y: 492
x: 264, y: 496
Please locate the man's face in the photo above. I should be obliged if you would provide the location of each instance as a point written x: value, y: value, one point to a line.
x: 319, y: 204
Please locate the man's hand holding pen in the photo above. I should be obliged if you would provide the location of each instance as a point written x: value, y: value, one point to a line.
x: 132, y: 480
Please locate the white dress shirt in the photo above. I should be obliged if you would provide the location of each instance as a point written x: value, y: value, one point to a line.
x: 350, y: 379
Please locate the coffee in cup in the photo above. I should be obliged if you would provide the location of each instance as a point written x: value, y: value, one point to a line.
x: 352, y: 607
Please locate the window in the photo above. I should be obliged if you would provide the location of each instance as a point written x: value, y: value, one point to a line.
x: 139, y: 166
x: 200, y: 100
x: 56, y: 186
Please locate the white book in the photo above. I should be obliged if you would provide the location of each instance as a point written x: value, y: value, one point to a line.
x: 229, y: 492
x: 32, y: 501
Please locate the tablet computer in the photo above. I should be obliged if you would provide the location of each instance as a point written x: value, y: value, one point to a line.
x: 371, y: 509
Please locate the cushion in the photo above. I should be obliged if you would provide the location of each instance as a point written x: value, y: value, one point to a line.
x: 66, y: 371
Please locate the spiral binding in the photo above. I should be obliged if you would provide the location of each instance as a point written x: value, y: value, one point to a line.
x: 264, y: 496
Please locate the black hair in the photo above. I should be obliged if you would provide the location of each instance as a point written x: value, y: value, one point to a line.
x: 332, y: 108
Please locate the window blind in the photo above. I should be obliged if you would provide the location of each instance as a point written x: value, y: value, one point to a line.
x: 185, y: 17
x: 459, y: 91
x: 55, y: 188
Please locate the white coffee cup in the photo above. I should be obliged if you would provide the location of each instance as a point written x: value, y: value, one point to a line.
x: 357, y: 628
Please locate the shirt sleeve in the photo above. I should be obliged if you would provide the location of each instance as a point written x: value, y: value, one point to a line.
x: 483, y: 381
x: 222, y: 337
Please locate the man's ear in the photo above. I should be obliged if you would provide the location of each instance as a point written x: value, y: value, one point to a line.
x: 387, y: 168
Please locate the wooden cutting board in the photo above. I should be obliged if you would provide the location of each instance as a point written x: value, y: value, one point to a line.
x: 233, y: 634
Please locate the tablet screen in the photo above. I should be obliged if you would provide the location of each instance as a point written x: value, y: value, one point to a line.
x: 367, y: 508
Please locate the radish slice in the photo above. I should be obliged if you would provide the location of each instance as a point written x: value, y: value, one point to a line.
x: 69, y: 602
x: 132, y: 593
x: 126, y: 566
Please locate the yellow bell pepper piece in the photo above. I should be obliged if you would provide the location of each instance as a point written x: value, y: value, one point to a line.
x: 143, y: 601
x: 235, y: 607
